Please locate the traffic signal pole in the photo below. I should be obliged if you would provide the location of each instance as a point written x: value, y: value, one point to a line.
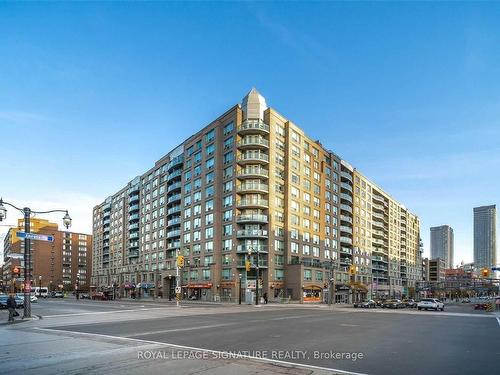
x: 27, y: 264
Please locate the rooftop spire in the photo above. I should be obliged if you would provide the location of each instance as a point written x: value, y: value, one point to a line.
x: 253, y: 105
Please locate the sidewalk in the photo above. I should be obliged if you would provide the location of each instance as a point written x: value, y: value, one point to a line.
x: 29, y: 351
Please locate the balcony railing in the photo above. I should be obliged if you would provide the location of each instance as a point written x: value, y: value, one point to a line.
x: 345, y: 207
x: 173, y: 187
x: 346, y: 218
x: 252, y: 203
x: 252, y: 172
x: 251, y: 218
x: 346, y: 175
x: 251, y: 233
x: 253, y: 157
x: 252, y: 186
x: 254, y: 142
x: 253, y: 126
x: 345, y: 229
x: 346, y: 197
x: 346, y: 240
x: 255, y: 249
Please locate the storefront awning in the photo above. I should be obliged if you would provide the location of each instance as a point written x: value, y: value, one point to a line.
x: 312, y: 287
x: 198, y: 285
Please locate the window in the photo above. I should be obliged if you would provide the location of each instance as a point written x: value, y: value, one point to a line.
x: 228, y: 143
x: 209, y: 205
x: 228, y: 157
x: 227, y: 230
x: 226, y: 274
x: 294, y: 247
x: 210, y: 149
x: 209, y: 178
x: 210, y: 136
x: 307, y: 275
x: 319, y: 275
x: 206, y: 275
x: 210, y: 163
x: 197, y: 157
x: 228, y: 128
x: 279, y: 274
x: 209, y: 232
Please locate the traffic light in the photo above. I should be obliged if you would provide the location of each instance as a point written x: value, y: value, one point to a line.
x: 248, y: 265
x: 16, y: 271
x: 352, y: 270
x: 485, y: 272
x: 180, y: 261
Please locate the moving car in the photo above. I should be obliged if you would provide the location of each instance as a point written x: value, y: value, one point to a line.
x: 430, y: 304
x: 393, y: 304
x: 57, y: 295
x: 368, y: 304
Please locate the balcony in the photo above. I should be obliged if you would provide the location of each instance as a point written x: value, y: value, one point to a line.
x: 252, y: 187
x: 378, y: 224
x: 346, y: 240
x: 133, y: 245
x: 133, y: 235
x: 251, y: 218
x: 257, y: 233
x: 379, y: 216
x: 175, y: 162
x: 133, y: 189
x: 133, y: 218
x: 378, y: 267
x: 174, y: 245
x: 378, y: 207
x: 376, y: 258
x: 345, y: 207
x: 133, y: 208
x: 345, y: 250
x: 174, y: 210
x: 345, y: 229
x: 173, y: 233
x: 262, y: 263
x: 253, y: 142
x: 133, y: 253
x: 379, y: 234
x: 345, y: 186
x: 173, y: 187
x: 175, y: 221
x: 378, y: 198
x: 253, y: 127
x: 244, y: 249
x: 133, y: 199
x: 346, y: 197
x: 252, y: 173
x: 346, y: 218
x: 263, y: 203
x: 253, y: 157
x: 379, y: 242
x: 346, y: 176
x: 175, y: 175
x: 174, y: 198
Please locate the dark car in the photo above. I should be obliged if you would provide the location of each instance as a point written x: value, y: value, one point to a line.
x: 368, y: 304
x: 379, y: 302
x: 3, y: 301
x: 84, y: 296
x: 393, y: 304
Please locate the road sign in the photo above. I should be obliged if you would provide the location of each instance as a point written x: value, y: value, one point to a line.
x: 34, y: 236
x: 177, y: 289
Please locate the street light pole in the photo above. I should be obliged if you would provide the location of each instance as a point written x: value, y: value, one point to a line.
x: 27, y: 212
x: 39, y: 286
x: 239, y: 299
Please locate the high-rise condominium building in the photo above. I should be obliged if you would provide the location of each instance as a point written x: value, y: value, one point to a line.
x: 252, y: 185
x: 442, y: 243
x: 485, y: 221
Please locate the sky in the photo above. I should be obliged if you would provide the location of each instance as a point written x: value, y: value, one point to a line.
x: 92, y: 94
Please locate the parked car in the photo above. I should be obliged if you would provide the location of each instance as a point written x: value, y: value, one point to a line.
x: 379, y: 302
x: 84, y: 296
x: 393, y: 304
x: 483, y: 304
x: 100, y: 296
x: 57, y: 295
x: 33, y: 298
x: 466, y: 300
x: 410, y: 303
x: 368, y: 304
x: 430, y: 304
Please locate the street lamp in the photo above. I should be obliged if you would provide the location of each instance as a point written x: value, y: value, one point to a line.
x: 27, y: 212
x: 40, y: 286
x: 77, y: 287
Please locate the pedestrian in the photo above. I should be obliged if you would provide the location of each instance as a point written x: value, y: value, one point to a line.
x: 265, y: 298
x: 12, y: 305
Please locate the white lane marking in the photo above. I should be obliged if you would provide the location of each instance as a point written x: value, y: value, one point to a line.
x: 216, y: 352
x: 350, y: 325
x: 180, y: 329
x: 100, y: 312
x: 498, y: 320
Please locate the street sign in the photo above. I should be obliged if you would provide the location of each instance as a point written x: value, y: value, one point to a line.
x: 34, y: 236
x: 177, y: 289
x: 15, y: 256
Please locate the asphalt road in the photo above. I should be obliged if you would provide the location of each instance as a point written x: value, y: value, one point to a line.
x: 400, y: 342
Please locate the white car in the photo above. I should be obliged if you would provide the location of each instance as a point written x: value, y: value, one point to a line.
x: 430, y: 304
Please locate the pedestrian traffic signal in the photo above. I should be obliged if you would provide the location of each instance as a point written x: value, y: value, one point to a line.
x: 485, y: 272
x: 180, y: 261
x: 248, y: 265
